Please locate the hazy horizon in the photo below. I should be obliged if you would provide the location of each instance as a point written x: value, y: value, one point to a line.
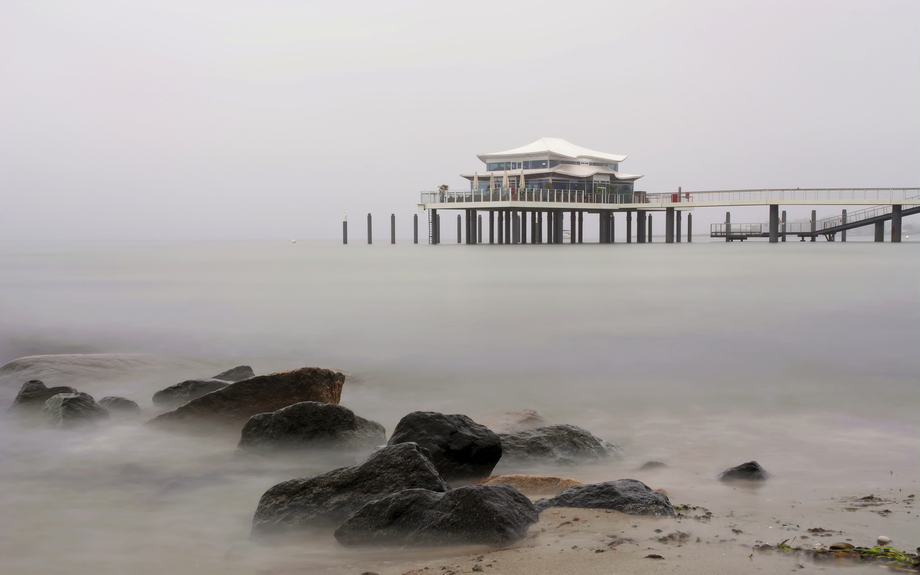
x: 230, y: 120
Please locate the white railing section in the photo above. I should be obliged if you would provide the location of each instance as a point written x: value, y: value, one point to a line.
x: 664, y: 198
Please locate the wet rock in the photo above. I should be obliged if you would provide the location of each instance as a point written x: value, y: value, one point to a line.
x: 460, y: 448
x: 882, y: 540
x: 33, y: 394
x: 311, y: 425
x: 73, y: 410
x: 625, y: 495
x: 750, y: 471
x: 516, y: 421
x: 328, y: 499
x: 494, y: 515
x: 176, y: 395
x: 841, y: 546
x: 234, y: 404
x: 238, y: 373
x: 532, y: 484
x: 648, y: 465
x: 560, y: 444
x: 119, y: 405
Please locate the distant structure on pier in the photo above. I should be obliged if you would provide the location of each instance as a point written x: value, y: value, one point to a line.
x: 554, y: 164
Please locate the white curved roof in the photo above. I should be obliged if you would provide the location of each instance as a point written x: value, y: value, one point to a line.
x: 564, y: 170
x: 556, y: 147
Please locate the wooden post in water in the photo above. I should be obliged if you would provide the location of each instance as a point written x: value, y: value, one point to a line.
x: 728, y: 226
x: 458, y: 228
x: 369, y: 232
x: 843, y: 220
x: 650, y: 228
x: 392, y: 228
x: 415, y: 229
x: 784, y: 225
x: 345, y: 229
x: 814, y: 225
x: 689, y: 228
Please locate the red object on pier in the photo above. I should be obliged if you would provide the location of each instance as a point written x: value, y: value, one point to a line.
x: 675, y: 198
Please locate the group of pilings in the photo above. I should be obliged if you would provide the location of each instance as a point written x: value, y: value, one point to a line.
x: 512, y: 226
x: 775, y: 221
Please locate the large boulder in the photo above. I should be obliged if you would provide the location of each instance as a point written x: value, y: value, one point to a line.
x: 238, y: 373
x: 235, y: 404
x: 72, y: 410
x: 328, y: 499
x: 462, y: 450
x: 532, y: 484
x: 34, y: 393
x: 750, y: 471
x: 624, y: 495
x: 311, y: 425
x: 183, y: 392
x: 119, y: 405
x: 560, y: 444
x: 494, y: 515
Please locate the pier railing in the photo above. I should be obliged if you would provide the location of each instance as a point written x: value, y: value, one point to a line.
x: 838, y: 195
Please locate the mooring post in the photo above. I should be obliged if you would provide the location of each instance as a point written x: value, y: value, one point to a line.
x: 689, y: 228
x: 880, y: 231
x: 784, y: 225
x: 613, y: 228
x: 728, y: 226
x: 508, y: 238
x: 491, y: 226
x: 369, y: 232
x: 896, y: 223
x: 602, y: 227
x: 640, y: 226
x: 415, y: 229
x: 392, y: 228
x: 629, y: 226
x: 843, y: 220
x: 479, y: 229
x: 573, y: 232
x: 458, y: 228
x: 774, y: 223
x: 814, y: 225
x: 677, y: 216
x: 345, y: 229
x: 669, y: 225
x: 501, y: 226
x: 433, y: 231
x: 524, y: 227
x: 581, y: 226
x: 650, y: 228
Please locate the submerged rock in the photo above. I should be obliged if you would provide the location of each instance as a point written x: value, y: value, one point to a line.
x: 560, y: 444
x: 311, y: 425
x: 652, y: 465
x: 176, y: 395
x: 532, y: 484
x: 238, y: 373
x: 460, y: 448
x: 494, y: 515
x: 72, y: 410
x: 750, y: 471
x: 624, y: 495
x: 516, y: 421
x: 34, y: 393
x: 328, y: 499
x: 234, y: 404
x: 121, y: 405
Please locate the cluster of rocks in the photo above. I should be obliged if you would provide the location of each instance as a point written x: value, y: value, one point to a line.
x: 67, y: 407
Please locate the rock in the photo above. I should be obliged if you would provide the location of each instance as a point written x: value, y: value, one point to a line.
x: 33, y: 394
x: 750, y: 471
x: 516, y: 421
x: 238, y: 373
x: 882, y: 540
x: 234, y: 404
x: 328, y: 499
x: 841, y: 546
x: 72, y: 410
x: 559, y: 444
x: 652, y: 465
x: 532, y: 484
x: 176, y: 395
x: 120, y: 405
x: 625, y: 495
x: 311, y: 425
x: 460, y: 448
x: 494, y: 515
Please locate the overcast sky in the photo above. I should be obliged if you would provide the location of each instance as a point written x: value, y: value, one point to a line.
x: 268, y: 120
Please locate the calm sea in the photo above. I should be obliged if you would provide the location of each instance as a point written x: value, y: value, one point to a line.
x: 802, y: 356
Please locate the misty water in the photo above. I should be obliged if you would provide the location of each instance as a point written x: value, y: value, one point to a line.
x: 802, y: 356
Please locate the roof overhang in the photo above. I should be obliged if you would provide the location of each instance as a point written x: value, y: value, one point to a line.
x: 569, y: 170
x: 555, y: 148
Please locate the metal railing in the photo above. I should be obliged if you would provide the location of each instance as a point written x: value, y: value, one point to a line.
x: 664, y: 198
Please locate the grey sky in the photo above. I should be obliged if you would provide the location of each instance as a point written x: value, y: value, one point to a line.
x: 233, y: 120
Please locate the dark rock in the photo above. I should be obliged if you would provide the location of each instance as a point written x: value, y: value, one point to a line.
x: 33, y: 394
x: 234, y: 404
x: 624, y: 495
x: 460, y: 448
x: 652, y: 465
x: 516, y: 421
x: 176, y: 395
x: 494, y: 515
x: 115, y: 404
x: 560, y: 444
x: 73, y: 409
x: 238, y: 373
x: 328, y: 499
x: 750, y: 471
x: 311, y: 425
